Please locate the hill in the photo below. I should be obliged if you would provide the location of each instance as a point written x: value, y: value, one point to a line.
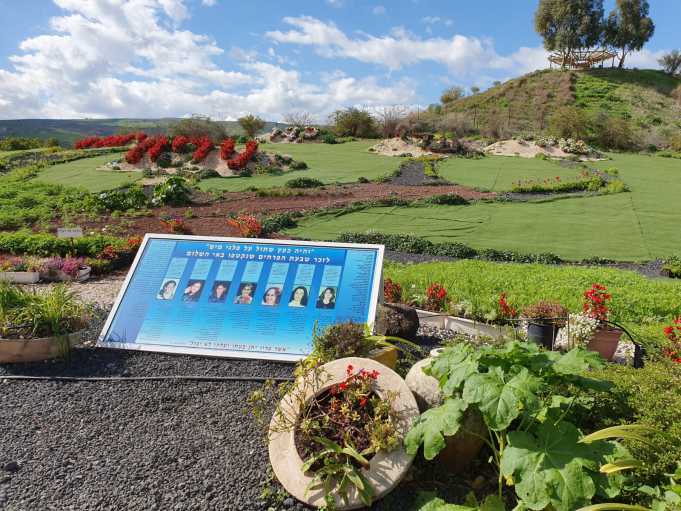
x: 526, y: 103
x: 68, y: 130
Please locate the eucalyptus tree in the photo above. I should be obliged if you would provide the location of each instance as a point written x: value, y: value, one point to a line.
x: 629, y: 27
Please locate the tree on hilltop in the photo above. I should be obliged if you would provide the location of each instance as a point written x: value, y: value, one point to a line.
x: 569, y: 25
x: 629, y: 27
x: 671, y: 62
x: 251, y: 124
x: 452, y: 94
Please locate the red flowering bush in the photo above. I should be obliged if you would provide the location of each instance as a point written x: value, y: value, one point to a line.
x: 246, y: 225
x: 227, y: 148
x: 392, y: 291
x: 160, y: 145
x: 506, y: 310
x: 133, y: 244
x: 436, y: 298
x: 108, y: 253
x: 596, y: 302
x: 110, y: 141
x: 673, y: 335
x: 204, y: 145
x: 136, y: 153
x: 180, y: 144
x: 140, y: 136
x: 241, y: 159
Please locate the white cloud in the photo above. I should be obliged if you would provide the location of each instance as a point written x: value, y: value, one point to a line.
x: 208, y: 3
x: 336, y: 3
x: 432, y: 20
x: 379, y: 10
x: 130, y: 58
x: 459, y: 53
x: 644, y: 59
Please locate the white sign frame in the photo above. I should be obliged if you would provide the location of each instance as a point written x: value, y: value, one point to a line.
x: 375, y: 296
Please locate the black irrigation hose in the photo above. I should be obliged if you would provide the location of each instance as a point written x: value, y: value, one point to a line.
x: 142, y: 378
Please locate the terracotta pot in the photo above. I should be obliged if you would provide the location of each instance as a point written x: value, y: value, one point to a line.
x: 605, y: 341
x: 16, y: 351
x: 386, y: 469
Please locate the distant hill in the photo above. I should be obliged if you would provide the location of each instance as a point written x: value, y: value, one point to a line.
x: 526, y: 103
x: 68, y: 130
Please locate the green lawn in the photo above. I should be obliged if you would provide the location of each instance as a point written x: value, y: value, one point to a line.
x: 642, y: 224
x: 343, y: 163
x: 498, y: 173
x: 84, y: 173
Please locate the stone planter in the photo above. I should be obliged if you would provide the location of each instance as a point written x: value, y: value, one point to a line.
x: 605, y: 341
x: 432, y: 319
x: 20, y: 277
x: 16, y: 351
x: 463, y: 447
x: 463, y: 325
x: 386, y: 469
x: 386, y: 356
x: 60, y: 276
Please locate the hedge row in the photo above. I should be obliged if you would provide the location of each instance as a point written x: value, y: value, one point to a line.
x: 417, y: 245
x: 44, y: 245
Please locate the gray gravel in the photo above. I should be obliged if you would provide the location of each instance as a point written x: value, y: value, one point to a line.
x: 144, y: 445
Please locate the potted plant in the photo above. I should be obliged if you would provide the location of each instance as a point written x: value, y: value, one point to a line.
x: 544, y: 318
x: 20, y: 270
x: 61, y: 269
x: 335, y: 440
x: 351, y: 339
x: 39, y: 326
x: 605, y: 338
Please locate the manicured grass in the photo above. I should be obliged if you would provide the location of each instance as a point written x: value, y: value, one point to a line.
x: 343, y: 163
x: 498, y: 173
x: 83, y: 173
x: 643, y: 304
x: 642, y: 224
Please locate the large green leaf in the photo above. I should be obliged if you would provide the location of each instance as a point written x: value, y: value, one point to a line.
x: 501, y: 401
x: 429, y: 502
x: 553, y: 468
x: 433, y: 426
x: 453, y: 367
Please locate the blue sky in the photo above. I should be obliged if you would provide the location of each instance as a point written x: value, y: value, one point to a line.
x: 153, y: 58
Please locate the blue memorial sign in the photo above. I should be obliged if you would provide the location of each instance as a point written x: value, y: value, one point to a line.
x: 247, y: 298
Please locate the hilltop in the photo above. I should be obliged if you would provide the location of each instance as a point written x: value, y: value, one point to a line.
x: 525, y: 104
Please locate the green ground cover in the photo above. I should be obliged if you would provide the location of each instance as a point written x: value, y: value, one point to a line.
x: 641, y: 304
x: 498, y: 173
x: 330, y: 163
x: 642, y: 224
x: 84, y: 174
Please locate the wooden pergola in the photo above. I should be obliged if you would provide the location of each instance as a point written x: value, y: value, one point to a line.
x: 580, y: 59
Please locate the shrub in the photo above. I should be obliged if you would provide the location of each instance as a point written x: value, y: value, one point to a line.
x: 672, y: 267
x: 303, y: 182
x: 392, y: 291
x: 341, y: 340
x: 354, y: 122
x: 675, y: 142
x: 172, y: 192
x: 569, y: 122
x: 197, y: 127
x: 648, y: 396
x: 450, y: 199
x: 251, y: 124
x: 122, y: 199
x: 279, y: 222
x: 546, y: 312
x: 164, y: 160
x: 613, y: 133
x: 329, y: 138
x: 27, y: 243
x: 246, y: 225
x: 298, y: 165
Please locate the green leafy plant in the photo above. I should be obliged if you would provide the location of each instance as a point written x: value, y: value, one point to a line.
x: 303, y: 182
x: 519, y: 391
x: 172, y: 192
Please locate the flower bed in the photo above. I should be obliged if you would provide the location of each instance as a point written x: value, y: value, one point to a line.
x: 110, y: 141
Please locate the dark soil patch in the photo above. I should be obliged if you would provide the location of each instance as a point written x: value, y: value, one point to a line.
x: 209, y: 215
x: 412, y: 173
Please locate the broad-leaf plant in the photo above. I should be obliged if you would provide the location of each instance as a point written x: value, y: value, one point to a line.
x: 527, y: 398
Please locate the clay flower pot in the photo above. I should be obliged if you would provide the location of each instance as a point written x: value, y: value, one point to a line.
x: 605, y: 341
x: 386, y: 469
x: 15, y: 351
x: 463, y: 447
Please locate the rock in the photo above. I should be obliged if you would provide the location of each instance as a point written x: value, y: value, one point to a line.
x: 397, y: 320
x: 11, y: 467
x: 289, y: 502
x: 424, y: 387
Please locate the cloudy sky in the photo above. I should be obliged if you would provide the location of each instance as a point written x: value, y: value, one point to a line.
x: 224, y: 58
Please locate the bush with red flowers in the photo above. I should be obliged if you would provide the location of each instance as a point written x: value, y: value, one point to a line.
x: 110, y: 141
x: 596, y: 302
x: 136, y: 153
x: 673, y: 335
x: 204, y: 146
x: 246, y: 225
x: 160, y: 145
x: 174, y: 225
x: 180, y: 144
x: 241, y: 159
x: 392, y: 291
x: 227, y: 149
x: 436, y: 298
